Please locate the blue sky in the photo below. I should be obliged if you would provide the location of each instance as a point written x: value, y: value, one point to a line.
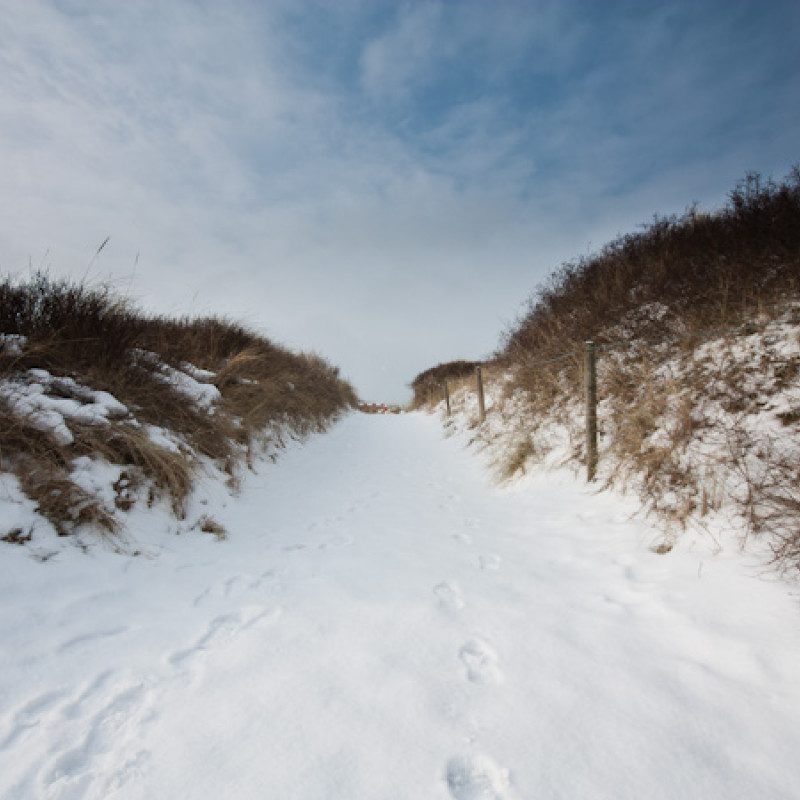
x: 384, y: 183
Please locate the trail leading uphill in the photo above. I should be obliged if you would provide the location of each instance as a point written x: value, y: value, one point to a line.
x: 384, y: 623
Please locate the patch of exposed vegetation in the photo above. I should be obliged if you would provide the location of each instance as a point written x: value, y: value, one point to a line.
x: 696, y: 319
x: 428, y: 385
x: 85, y: 377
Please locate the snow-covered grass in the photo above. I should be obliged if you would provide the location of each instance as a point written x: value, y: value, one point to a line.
x: 384, y: 621
x: 706, y: 436
x: 102, y: 408
x: 695, y: 322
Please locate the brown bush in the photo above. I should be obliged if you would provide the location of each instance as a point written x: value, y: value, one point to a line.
x: 89, y: 340
x: 429, y: 384
x: 699, y: 270
x: 650, y: 300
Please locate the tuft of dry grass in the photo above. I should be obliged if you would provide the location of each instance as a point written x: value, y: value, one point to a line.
x: 519, y: 454
x: 428, y: 386
x: 166, y: 472
x: 17, y: 536
x: 264, y: 385
x: 63, y: 502
x: 208, y: 524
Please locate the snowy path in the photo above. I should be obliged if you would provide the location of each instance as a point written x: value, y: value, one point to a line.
x: 383, y: 623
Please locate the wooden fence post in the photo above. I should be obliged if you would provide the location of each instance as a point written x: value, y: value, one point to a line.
x: 481, y: 402
x: 447, y: 397
x: 590, y: 379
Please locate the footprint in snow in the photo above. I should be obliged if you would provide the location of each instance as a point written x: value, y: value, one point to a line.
x: 117, y: 721
x: 80, y: 706
x: 449, y: 595
x: 480, y: 661
x: 336, y: 542
x: 476, y: 778
x: 490, y: 562
x: 31, y: 714
x: 234, y: 586
x: 131, y: 768
x: 200, y: 599
x: 223, y: 627
x: 324, y: 523
x: 90, y: 638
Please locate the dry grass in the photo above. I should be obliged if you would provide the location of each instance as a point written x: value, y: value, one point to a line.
x: 261, y: 385
x: 88, y: 340
x: 670, y: 283
x: 208, y: 524
x: 518, y: 455
x: 60, y: 500
x: 166, y: 472
x: 17, y: 536
x: 669, y: 404
x: 428, y: 386
x: 677, y: 275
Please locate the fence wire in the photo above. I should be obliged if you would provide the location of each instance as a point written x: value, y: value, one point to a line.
x: 742, y: 330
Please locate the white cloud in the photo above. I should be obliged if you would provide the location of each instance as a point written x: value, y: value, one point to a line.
x: 394, y: 62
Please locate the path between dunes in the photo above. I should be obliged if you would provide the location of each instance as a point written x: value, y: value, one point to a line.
x: 383, y: 622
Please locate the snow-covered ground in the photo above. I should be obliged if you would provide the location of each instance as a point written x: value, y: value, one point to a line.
x: 382, y: 622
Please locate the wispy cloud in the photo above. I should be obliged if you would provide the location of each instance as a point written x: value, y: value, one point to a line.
x: 400, y: 60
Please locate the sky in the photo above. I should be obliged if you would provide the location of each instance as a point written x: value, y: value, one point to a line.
x: 382, y: 183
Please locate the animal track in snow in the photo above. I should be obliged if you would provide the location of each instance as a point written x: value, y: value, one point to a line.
x: 336, y: 541
x: 76, y: 708
x: 30, y: 715
x: 200, y: 599
x: 449, y: 595
x: 480, y: 661
x: 117, y: 720
x: 129, y: 770
x: 233, y: 587
x: 88, y: 638
x: 225, y: 626
x: 181, y: 657
x: 490, y: 562
x: 476, y: 778
x: 325, y: 522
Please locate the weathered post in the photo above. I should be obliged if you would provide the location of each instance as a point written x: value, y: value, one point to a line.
x: 447, y: 397
x: 481, y: 402
x: 590, y: 378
